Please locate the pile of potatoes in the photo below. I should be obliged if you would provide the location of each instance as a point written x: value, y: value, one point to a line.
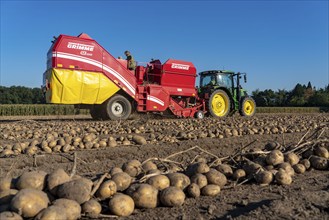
x: 56, y: 195
x: 67, y: 143
x: 64, y: 136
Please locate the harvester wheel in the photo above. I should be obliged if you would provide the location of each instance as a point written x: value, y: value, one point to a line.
x: 117, y: 107
x: 219, y: 104
x: 199, y: 115
x: 247, y: 107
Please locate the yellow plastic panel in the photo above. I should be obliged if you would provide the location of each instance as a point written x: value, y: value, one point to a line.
x: 78, y: 87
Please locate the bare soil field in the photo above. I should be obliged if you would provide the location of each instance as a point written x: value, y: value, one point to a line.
x: 91, y: 148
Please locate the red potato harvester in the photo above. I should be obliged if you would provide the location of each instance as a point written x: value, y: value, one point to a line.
x: 81, y: 72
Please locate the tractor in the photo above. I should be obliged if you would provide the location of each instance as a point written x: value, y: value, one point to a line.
x: 224, y: 95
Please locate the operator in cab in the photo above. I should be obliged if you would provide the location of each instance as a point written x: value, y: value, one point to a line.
x: 131, y: 65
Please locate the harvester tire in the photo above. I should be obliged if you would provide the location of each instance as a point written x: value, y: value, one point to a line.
x: 247, y: 107
x: 199, y: 115
x: 219, y: 104
x: 117, y: 107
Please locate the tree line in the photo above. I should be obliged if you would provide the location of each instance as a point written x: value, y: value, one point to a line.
x: 301, y: 95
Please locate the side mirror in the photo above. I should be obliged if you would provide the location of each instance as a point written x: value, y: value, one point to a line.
x: 245, y: 78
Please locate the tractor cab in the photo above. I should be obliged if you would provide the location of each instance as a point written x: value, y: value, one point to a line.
x: 224, y: 94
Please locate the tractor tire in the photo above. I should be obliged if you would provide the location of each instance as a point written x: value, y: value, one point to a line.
x: 247, y: 107
x: 219, y: 104
x: 97, y: 112
x: 117, y: 107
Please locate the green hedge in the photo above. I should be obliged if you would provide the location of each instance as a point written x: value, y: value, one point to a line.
x: 290, y: 109
x: 39, y: 109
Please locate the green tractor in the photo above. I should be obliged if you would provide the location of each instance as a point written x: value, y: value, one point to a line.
x: 224, y: 95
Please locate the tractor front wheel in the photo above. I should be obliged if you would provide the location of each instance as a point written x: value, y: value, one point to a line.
x: 117, y: 107
x: 219, y: 104
x: 247, y: 107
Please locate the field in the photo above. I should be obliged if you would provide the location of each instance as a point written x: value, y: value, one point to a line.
x: 228, y: 140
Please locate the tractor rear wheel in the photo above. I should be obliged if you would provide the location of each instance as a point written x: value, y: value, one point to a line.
x: 117, y: 107
x: 247, y: 107
x: 219, y: 104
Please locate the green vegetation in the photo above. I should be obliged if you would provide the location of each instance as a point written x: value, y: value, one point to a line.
x: 301, y: 95
x: 19, y: 100
x: 40, y: 109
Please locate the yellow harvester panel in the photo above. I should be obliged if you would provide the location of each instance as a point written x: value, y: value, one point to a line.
x: 78, y: 87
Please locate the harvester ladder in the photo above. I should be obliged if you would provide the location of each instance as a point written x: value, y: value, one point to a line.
x: 142, y: 98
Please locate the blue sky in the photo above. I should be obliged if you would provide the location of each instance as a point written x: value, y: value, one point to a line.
x: 278, y: 43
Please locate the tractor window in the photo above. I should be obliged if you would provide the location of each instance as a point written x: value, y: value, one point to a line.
x: 208, y: 80
x: 225, y: 80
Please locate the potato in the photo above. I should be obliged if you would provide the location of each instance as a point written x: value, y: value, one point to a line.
x: 160, y: 182
x: 172, y: 196
x: 319, y: 163
x: 193, y: 190
x: 112, y: 143
x: 210, y: 190
x: 195, y: 168
x: 133, y: 167
x: 145, y: 196
x: 306, y: 163
x: 7, y: 195
x: 149, y: 165
x: 283, y: 178
x: 106, y: 189
x: 216, y: 177
x: 272, y: 145
x: 200, y: 180
x: 122, y: 181
x: 139, y: 139
x: 264, y: 177
x: 6, y: 183
x: 251, y: 168
x: 92, y: 208
x: 287, y: 167
x: 33, y: 179
x: 115, y: 170
x: 78, y: 190
x: 56, y: 178
x: 225, y: 169
x: 299, y: 168
x: 239, y: 174
x: 121, y: 205
x: 70, y: 207
x: 10, y: 216
x: 179, y: 180
x: 321, y: 152
x: 29, y: 202
x: 291, y: 158
x: 52, y: 212
x: 201, y: 159
x: 275, y: 157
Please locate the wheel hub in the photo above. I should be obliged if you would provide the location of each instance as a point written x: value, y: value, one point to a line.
x: 117, y: 108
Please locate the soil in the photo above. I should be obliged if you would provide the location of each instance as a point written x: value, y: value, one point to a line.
x: 306, y: 198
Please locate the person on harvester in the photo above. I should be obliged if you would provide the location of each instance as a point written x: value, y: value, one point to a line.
x: 131, y: 65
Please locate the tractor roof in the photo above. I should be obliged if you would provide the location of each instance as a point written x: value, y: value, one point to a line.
x: 209, y: 72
